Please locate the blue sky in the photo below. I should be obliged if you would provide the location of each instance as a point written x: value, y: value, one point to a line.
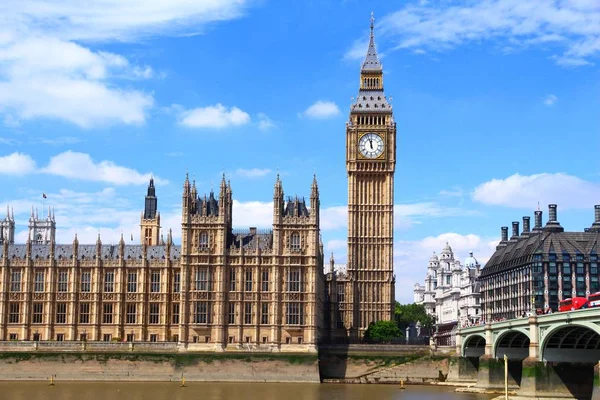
x: 496, y: 104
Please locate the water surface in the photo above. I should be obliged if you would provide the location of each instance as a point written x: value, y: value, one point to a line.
x: 224, y: 391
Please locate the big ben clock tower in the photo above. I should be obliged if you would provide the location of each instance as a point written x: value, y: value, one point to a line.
x: 370, y: 162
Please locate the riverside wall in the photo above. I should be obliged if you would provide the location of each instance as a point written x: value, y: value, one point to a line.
x: 159, y: 367
x: 98, y: 361
x: 384, y: 364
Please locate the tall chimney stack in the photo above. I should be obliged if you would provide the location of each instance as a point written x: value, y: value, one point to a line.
x: 538, y: 220
x: 525, y: 226
x: 504, y: 234
x: 596, y: 225
x: 515, y: 230
x: 552, y: 213
x: 552, y: 225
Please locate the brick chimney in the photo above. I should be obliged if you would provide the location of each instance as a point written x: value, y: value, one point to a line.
x: 525, y: 226
x: 538, y: 221
x: 552, y: 225
x: 596, y: 225
x: 515, y: 230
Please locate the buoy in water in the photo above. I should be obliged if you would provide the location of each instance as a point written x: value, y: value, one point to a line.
x: 182, y: 381
x: 401, y: 385
x: 51, y: 380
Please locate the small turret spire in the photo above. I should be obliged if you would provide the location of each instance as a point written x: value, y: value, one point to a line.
x: 371, y: 62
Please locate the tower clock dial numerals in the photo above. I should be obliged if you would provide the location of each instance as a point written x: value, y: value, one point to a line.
x: 370, y: 145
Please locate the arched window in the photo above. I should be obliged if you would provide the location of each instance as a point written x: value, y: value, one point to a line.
x: 203, y: 240
x: 295, y: 241
x: 39, y: 238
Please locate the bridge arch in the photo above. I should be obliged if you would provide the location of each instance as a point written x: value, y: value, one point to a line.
x: 473, y: 345
x: 571, y: 342
x: 513, y: 343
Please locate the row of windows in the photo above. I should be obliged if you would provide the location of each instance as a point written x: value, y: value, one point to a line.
x: 201, y: 313
x: 202, y: 281
x: 85, y: 285
x: 153, y: 337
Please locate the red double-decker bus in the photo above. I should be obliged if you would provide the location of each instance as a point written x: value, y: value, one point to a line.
x: 572, y: 304
x: 594, y: 299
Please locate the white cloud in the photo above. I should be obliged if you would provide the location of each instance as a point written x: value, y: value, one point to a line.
x: 264, y: 122
x: 44, y: 73
x: 102, y: 20
x: 252, y: 172
x: 322, y: 110
x: 107, y: 211
x: 76, y: 165
x: 550, y: 100
x: 217, y: 116
x: 16, y: 164
x: 252, y: 213
x: 81, y: 166
x: 411, y: 257
x: 525, y: 191
x: 405, y: 215
x: 336, y: 246
x: 573, y: 26
x: 358, y: 50
x: 73, y: 87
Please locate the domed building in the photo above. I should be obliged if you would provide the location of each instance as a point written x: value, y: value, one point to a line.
x: 451, y: 293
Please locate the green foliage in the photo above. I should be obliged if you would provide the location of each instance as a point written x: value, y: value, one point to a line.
x: 407, y: 314
x: 382, y: 331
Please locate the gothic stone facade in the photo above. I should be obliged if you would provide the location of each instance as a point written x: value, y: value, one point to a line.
x: 220, y: 290
x: 364, y: 293
x: 535, y: 269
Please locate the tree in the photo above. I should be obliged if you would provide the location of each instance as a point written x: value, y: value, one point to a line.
x: 407, y: 314
x: 382, y: 331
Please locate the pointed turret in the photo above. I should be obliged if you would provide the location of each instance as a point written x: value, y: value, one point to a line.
x: 98, y: 246
x: 278, y: 201
x: 122, y: 247
x: 371, y: 99
x: 331, y: 263
x: 314, y: 199
x: 194, y: 191
x: 314, y: 188
x: 371, y: 62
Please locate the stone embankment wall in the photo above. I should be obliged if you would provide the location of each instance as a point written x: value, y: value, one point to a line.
x: 159, y: 367
x: 383, y: 364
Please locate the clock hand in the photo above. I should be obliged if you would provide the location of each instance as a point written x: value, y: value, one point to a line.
x: 371, y: 143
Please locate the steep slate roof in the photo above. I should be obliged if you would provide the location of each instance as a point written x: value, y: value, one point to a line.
x: 251, y: 239
x: 207, y: 206
x: 371, y: 62
x: 296, y: 208
x: 372, y: 101
x: 88, y: 251
x: 522, y: 251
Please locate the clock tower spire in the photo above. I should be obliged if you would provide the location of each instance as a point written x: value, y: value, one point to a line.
x: 370, y: 163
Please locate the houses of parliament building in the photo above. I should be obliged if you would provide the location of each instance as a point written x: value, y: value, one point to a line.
x: 221, y: 288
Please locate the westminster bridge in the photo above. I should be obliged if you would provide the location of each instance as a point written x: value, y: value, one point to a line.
x: 555, y: 354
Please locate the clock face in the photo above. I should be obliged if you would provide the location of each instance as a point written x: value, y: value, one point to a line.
x: 370, y: 145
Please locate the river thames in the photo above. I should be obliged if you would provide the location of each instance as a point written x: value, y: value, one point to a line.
x: 224, y: 391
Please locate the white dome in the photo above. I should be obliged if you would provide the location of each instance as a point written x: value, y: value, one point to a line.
x: 471, y: 262
x: 434, y: 257
x: 447, y: 249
